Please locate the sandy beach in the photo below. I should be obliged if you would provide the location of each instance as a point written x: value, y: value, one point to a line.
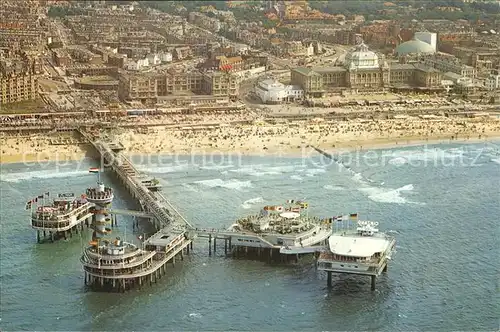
x: 292, y: 138
x: 288, y: 138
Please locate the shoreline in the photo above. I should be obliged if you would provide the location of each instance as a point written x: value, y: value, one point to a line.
x: 85, y: 151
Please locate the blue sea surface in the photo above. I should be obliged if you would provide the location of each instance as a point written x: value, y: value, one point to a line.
x: 441, y: 202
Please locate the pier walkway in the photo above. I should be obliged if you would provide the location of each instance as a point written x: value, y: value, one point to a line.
x: 154, y: 204
x: 133, y: 213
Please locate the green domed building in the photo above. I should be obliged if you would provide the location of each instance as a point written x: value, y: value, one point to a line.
x: 414, y: 46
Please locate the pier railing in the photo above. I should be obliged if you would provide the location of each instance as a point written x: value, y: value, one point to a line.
x: 153, y: 202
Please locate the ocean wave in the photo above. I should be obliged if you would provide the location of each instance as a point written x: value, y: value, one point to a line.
x: 46, y: 174
x: 314, y: 171
x: 296, y: 177
x: 496, y: 160
x: 330, y: 187
x: 423, y: 155
x: 216, y: 167
x: 249, y: 203
x: 157, y: 169
x: 263, y: 170
x: 398, y: 161
x: 381, y: 195
x: 190, y: 187
x: 228, y: 184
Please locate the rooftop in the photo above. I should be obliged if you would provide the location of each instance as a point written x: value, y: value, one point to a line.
x: 414, y: 46
x: 357, y: 246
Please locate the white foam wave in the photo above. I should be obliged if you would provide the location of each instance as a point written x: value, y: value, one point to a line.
x: 381, y: 195
x: 315, y: 171
x: 423, y: 155
x: 496, y: 160
x: 195, y: 315
x: 46, y: 174
x: 262, y: 170
x: 357, y: 177
x: 296, y: 177
x: 248, y: 203
x: 330, y: 187
x: 190, y: 187
x: 216, y: 167
x: 228, y: 184
x: 398, y: 161
x: 157, y: 169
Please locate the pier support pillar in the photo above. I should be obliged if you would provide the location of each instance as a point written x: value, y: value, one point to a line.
x: 374, y: 278
x: 215, y: 244
x: 191, y: 245
x: 38, y: 236
x: 85, y: 277
x: 173, y: 261
x: 329, y: 278
x: 230, y: 247
x: 44, y: 235
x: 51, y: 237
x: 225, y: 247
x: 187, y: 249
x: 385, y: 268
x: 209, y: 244
x: 182, y: 255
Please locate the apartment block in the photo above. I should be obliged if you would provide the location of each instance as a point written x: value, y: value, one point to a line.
x: 449, y: 63
x: 220, y: 84
x: 18, y: 81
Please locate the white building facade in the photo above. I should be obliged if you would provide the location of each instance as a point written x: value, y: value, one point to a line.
x: 427, y: 37
x: 493, y: 81
x: 274, y: 92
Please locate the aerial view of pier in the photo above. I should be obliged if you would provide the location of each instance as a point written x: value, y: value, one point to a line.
x: 249, y: 165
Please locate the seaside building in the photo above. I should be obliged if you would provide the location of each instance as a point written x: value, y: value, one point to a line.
x: 117, y: 265
x: 448, y: 63
x: 273, y: 92
x: 18, y: 80
x: 361, y: 250
x: 149, y: 87
x: 363, y: 70
x: 493, y: 80
x: 66, y: 214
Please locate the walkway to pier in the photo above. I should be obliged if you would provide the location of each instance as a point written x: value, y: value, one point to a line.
x: 154, y: 204
x: 133, y: 213
x: 213, y: 233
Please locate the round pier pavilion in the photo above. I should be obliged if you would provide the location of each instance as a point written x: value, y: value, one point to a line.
x: 113, y: 264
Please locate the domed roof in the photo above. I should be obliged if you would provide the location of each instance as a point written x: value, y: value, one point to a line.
x: 361, y: 57
x: 414, y: 46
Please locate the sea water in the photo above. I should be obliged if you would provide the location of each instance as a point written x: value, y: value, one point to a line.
x: 441, y: 202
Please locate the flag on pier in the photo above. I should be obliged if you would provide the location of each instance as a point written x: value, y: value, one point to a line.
x: 94, y: 170
x: 47, y: 194
x: 40, y: 196
x: 353, y: 216
x: 290, y: 201
x: 140, y: 237
x: 28, y: 205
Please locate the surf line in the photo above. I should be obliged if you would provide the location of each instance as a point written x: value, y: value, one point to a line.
x: 340, y: 163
